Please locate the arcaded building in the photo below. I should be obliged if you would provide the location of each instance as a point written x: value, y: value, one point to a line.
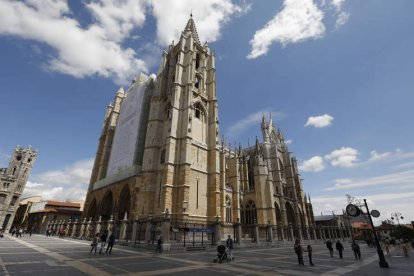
x: 160, y: 157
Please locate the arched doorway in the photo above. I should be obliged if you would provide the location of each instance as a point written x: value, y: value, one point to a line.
x: 107, y: 205
x: 92, y: 210
x: 124, y: 202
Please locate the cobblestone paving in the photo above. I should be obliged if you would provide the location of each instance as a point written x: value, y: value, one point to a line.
x: 40, y: 255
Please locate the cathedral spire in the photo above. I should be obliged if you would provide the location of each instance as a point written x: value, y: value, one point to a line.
x: 190, y: 28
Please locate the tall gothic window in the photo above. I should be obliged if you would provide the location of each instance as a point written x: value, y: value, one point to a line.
x: 13, y: 201
x: 197, y: 61
x: 249, y: 213
x: 197, y: 83
x: 228, y: 209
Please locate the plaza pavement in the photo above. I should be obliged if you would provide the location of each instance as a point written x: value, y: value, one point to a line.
x: 39, y: 255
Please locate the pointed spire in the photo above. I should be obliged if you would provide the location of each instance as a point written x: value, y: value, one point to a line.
x: 309, y: 198
x: 120, y: 90
x: 306, y: 200
x: 257, y: 150
x: 191, y: 28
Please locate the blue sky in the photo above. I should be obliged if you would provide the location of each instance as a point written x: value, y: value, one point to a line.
x: 337, y: 76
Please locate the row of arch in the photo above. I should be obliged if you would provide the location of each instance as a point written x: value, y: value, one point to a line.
x: 248, y: 213
x: 109, y: 205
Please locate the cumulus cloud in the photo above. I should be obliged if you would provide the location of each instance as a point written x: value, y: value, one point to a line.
x: 374, y: 156
x: 69, y: 183
x: 99, y: 47
x: 81, y: 52
x: 319, y: 121
x: 344, y: 157
x: 298, y: 20
x: 210, y: 16
x: 251, y: 119
x: 315, y: 164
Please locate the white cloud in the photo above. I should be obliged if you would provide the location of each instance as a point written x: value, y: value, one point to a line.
x: 70, y: 182
x: 341, y: 15
x: 386, y: 203
x: 344, y: 157
x: 378, y: 156
x: 393, y: 179
x: 315, y: 164
x: 251, y: 119
x: 80, y: 51
x: 209, y: 15
x: 319, y: 121
x: 288, y: 142
x: 299, y: 20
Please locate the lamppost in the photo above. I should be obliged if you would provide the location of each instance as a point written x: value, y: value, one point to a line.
x: 353, y: 209
x: 397, y: 216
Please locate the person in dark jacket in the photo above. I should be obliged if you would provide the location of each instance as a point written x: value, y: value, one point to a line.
x: 309, y: 250
x: 329, y: 246
x: 340, y: 248
x: 356, y: 249
x: 111, y: 241
x: 299, y: 251
x: 104, y: 236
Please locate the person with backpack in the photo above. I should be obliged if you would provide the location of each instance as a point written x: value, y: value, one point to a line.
x: 299, y: 251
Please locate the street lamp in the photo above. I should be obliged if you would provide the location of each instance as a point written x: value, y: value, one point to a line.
x: 397, y: 216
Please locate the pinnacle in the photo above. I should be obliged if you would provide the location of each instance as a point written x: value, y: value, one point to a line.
x: 190, y: 27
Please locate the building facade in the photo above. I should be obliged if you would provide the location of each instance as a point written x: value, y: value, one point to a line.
x: 159, y: 156
x: 12, y: 183
x: 22, y: 213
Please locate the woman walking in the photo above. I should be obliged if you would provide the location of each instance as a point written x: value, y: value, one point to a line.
x: 299, y: 251
x: 95, y: 243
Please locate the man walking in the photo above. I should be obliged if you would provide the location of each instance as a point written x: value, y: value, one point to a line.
x: 340, y: 248
x: 299, y: 251
x: 356, y: 249
x: 111, y: 241
x: 103, y: 241
x: 330, y: 247
x: 94, y: 243
x: 229, y: 244
x: 309, y: 249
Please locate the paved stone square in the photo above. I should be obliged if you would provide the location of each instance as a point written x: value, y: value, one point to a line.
x: 40, y: 255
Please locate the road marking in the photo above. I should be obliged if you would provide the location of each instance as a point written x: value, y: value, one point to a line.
x: 86, y: 268
x: 3, y: 266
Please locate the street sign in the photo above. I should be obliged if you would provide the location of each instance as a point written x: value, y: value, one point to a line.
x: 375, y: 213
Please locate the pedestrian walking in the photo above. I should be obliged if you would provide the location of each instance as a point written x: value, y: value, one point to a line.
x: 387, y: 248
x: 94, y: 243
x: 159, y: 245
x: 31, y: 231
x: 111, y: 241
x: 309, y: 250
x: 104, y: 236
x: 13, y: 232
x: 357, y: 251
x: 299, y: 251
x: 230, y: 244
x: 330, y: 247
x: 340, y: 248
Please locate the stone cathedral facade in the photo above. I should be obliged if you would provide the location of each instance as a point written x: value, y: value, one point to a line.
x: 159, y: 156
x: 12, y: 182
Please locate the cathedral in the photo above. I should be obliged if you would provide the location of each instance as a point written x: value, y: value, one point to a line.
x: 12, y: 182
x: 160, y: 158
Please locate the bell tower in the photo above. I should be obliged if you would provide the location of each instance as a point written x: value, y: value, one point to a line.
x: 181, y: 156
x: 12, y: 183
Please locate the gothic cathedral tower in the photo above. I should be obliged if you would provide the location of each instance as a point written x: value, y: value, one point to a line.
x: 181, y: 155
x: 12, y: 183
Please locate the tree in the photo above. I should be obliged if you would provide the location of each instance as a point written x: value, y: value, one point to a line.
x: 402, y: 232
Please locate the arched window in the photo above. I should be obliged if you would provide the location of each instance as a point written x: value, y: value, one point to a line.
x: 282, y: 169
x: 198, y: 59
x: 14, y: 170
x: 2, y: 198
x: 199, y: 124
x: 228, y: 209
x: 197, y: 82
x: 250, y: 213
x: 13, y: 201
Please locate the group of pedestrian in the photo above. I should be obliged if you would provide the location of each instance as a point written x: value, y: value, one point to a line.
x: 338, y: 245
x: 17, y: 231
x: 299, y: 252
x: 101, y: 240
